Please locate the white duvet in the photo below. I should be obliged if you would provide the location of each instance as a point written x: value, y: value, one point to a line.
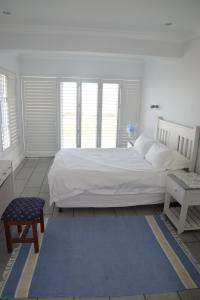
x: 102, y: 171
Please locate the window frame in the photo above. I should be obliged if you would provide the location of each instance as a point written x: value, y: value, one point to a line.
x: 100, y: 83
x: 10, y: 76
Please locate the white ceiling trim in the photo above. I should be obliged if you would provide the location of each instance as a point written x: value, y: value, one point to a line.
x: 175, y: 37
x: 82, y: 43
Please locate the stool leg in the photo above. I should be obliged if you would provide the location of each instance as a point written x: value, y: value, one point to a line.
x: 19, y: 228
x: 8, y: 237
x: 42, y: 222
x: 35, y: 237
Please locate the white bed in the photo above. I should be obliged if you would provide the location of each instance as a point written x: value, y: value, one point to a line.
x: 116, y: 177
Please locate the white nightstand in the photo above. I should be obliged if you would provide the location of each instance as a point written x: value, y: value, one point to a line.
x: 186, y: 216
x: 131, y: 142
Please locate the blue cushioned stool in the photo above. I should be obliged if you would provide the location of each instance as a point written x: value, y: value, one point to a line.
x: 24, y: 211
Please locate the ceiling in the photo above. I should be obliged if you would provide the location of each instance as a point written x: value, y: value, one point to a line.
x: 120, y: 19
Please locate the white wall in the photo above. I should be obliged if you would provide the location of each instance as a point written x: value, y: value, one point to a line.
x: 175, y: 87
x: 81, y: 66
x: 9, y: 62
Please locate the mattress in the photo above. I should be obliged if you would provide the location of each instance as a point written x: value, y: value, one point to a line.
x: 102, y: 172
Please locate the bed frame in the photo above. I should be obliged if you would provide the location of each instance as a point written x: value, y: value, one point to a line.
x: 180, y: 138
x: 183, y: 139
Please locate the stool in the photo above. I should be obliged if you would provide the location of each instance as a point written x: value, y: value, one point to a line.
x: 24, y: 211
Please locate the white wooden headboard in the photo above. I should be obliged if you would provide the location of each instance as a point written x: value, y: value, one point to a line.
x: 183, y: 139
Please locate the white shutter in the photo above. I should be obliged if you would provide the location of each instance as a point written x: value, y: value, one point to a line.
x: 68, y: 103
x: 129, y: 109
x: 9, y: 126
x: 40, y: 115
x: 109, y: 122
x: 12, y: 108
x: 89, y: 101
x: 5, y: 132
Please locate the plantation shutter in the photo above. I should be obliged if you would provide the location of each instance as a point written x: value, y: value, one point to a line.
x: 9, y: 126
x: 68, y: 103
x: 40, y: 116
x: 89, y: 102
x: 109, y: 122
x: 12, y: 109
x: 129, y: 109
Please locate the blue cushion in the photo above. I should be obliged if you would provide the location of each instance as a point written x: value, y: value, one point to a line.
x: 24, y: 209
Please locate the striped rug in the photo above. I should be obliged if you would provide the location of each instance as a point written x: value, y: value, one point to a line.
x: 101, y: 256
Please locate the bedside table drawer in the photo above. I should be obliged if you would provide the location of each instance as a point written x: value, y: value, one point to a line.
x: 175, y: 190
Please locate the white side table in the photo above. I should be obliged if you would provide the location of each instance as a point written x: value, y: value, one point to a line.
x: 186, y: 216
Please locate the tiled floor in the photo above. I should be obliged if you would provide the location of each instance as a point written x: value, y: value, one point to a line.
x: 31, y: 180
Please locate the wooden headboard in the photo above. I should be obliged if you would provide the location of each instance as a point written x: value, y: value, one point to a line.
x: 183, y: 139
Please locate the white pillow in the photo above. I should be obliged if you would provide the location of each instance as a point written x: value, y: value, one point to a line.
x: 179, y: 162
x: 143, y: 144
x: 159, y: 156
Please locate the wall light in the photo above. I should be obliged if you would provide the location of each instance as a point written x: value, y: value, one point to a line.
x: 154, y: 106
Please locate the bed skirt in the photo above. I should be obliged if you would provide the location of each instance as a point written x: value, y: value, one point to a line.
x: 93, y: 200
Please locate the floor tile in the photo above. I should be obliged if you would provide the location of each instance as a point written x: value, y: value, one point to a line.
x: 194, y: 248
x: 46, y: 159
x: 83, y: 212
x: 167, y: 296
x: 31, y: 162
x: 197, y: 234
x: 48, y: 210
x: 45, y: 186
x: 125, y: 211
x: 31, y: 192
x: 66, y: 212
x: 19, y: 185
x: 109, y: 211
x: 24, y: 173
x: 92, y: 298
x: 128, y: 298
x: 36, y: 180
x: 42, y: 167
x: 16, y: 171
x: 149, y: 209
x: 193, y: 294
x: 59, y: 298
x: 188, y: 236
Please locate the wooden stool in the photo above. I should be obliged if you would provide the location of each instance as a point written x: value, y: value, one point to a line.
x: 24, y: 211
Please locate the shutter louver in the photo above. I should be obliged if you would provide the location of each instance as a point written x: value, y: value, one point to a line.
x: 40, y: 116
x: 68, y: 97
x: 110, y: 99
x: 12, y: 108
x: 89, y: 100
x: 129, y: 109
x: 5, y: 131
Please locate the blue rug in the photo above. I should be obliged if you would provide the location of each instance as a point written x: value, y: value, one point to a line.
x: 101, y: 256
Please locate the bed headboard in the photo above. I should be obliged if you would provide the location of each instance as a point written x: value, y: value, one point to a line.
x: 183, y: 139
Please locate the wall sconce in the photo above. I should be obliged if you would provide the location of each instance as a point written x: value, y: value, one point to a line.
x: 154, y: 106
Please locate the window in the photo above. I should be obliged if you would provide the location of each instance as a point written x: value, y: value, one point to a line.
x: 81, y: 121
x: 9, y: 132
x: 5, y: 131
x: 68, y: 96
x: 60, y: 112
x: 89, y: 99
x: 110, y: 100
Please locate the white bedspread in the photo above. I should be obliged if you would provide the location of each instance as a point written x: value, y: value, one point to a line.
x: 102, y: 171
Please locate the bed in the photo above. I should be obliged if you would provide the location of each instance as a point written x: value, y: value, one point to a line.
x: 116, y: 177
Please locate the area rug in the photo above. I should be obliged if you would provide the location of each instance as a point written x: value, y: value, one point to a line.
x: 101, y: 256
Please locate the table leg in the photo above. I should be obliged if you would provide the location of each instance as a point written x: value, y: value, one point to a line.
x: 167, y: 202
x: 182, y: 218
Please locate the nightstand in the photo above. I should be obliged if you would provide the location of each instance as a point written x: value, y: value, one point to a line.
x: 185, y: 189
x: 130, y: 142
